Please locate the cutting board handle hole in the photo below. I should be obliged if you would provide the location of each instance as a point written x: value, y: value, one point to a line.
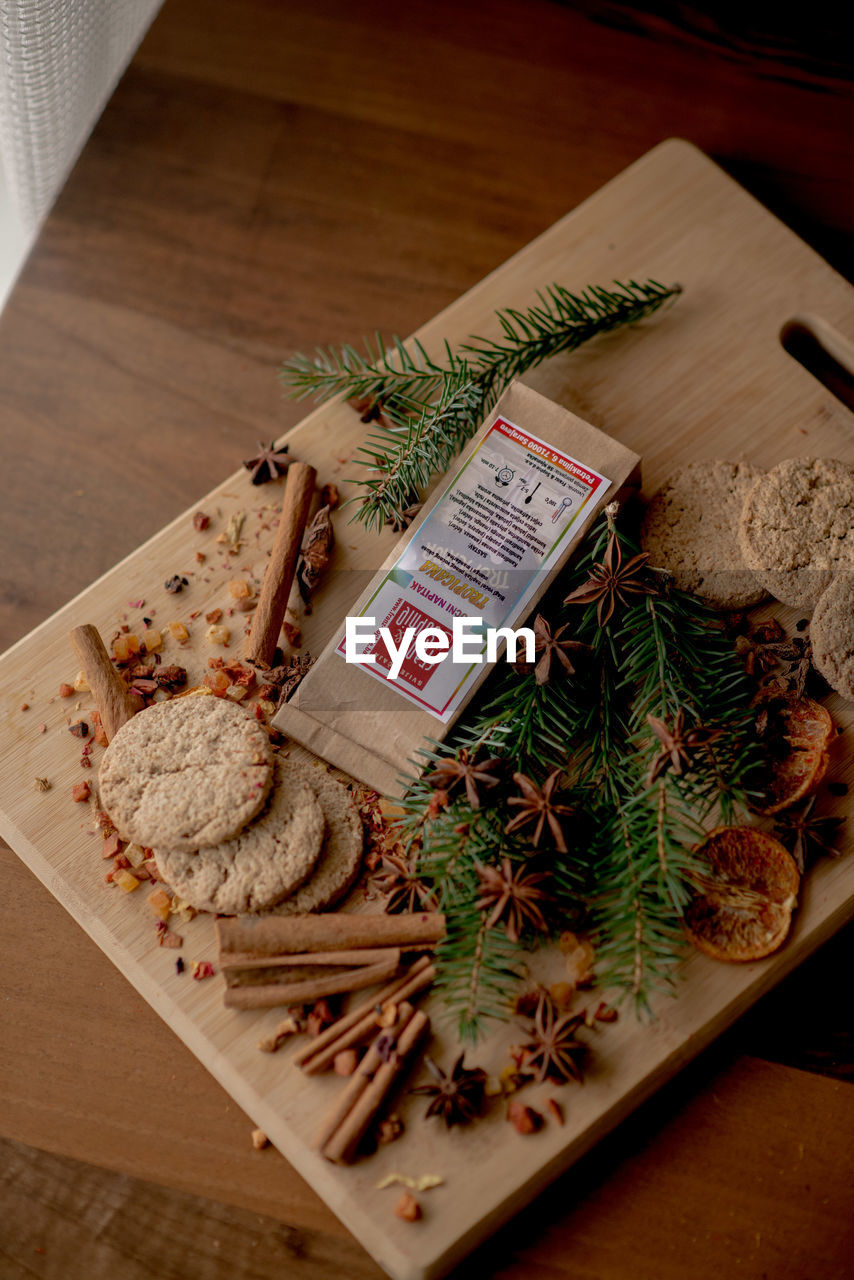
x: 823, y: 352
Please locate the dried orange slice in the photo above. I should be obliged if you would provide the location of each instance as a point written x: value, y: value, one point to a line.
x: 797, y: 733
x: 742, y: 908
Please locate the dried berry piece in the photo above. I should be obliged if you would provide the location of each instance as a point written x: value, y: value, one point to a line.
x: 201, y: 521
x: 66, y: 691
x: 742, y: 909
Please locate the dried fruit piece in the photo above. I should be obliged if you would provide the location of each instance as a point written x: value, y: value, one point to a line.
x: 179, y: 632
x: 80, y: 791
x: 151, y: 640
x: 407, y: 1208
x: 797, y: 733
x: 345, y: 1062
x: 126, y: 880
x: 201, y: 521
x: 218, y: 635
x: 239, y: 589
x: 161, y: 904
x: 524, y: 1119
x: 81, y: 684
x: 66, y: 691
x: 125, y: 647
x: 742, y: 909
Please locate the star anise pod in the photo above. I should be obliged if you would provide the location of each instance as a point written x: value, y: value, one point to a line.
x: 611, y: 581
x: 461, y: 768
x: 550, y: 647
x: 805, y: 835
x: 457, y: 1095
x: 514, y: 895
x: 678, y: 744
x: 554, y: 1052
x: 536, y: 804
x: 399, y: 882
x: 269, y: 464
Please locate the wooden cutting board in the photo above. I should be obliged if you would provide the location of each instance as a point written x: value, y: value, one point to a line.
x: 707, y: 378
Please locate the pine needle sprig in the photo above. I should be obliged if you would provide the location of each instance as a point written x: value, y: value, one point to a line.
x: 433, y: 408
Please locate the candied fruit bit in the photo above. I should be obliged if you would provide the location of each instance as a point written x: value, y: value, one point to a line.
x: 407, y: 1208
x: 81, y: 684
x: 125, y: 647
x: 160, y: 903
x: 236, y: 692
x: 112, y: 845
x: 217, y: 682
x: 239, y: 589
x: 202, y: 969
x: 126, y: 880
x: 66, y: 691
x: 201, y: 521
x: 152, y: 640
x: 215, y: 615
x: 179, y: 632
x: 80, y: 791
x: 218, y: 635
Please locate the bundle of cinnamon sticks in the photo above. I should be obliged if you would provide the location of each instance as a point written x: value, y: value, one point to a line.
x: 289, y: 960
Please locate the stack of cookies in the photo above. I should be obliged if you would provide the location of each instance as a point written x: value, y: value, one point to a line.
x: 733, y: 535
x: 234, y: 828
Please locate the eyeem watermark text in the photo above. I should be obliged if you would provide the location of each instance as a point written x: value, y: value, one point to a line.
x: 432, y: 645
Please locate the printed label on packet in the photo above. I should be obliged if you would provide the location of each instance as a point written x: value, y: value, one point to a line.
x: 504, y: 519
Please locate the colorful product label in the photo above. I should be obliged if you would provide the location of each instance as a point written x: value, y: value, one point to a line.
x: 505, y: 519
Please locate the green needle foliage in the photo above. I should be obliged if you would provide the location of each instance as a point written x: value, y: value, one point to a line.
x: 626, y: 878
x: 426, y: 410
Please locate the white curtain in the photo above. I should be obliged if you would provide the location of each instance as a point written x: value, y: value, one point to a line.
x: 59, y: 62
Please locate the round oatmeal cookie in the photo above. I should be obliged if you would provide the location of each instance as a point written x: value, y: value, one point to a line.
x: 832, y: 635
x: 691, y: 529
x: 185, y: 773
x: 797, y: 527
x: 341, y: 857
x: 270, y: 858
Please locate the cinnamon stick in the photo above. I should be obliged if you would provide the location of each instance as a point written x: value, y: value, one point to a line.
x: 279, y: 575
x: 342, y: 1146
x: 365, y: 1010
x: 269, y: 995
x: 346, y: 959
x: 116, y: 704
x: 358, y: 1083
x: 323, y: 1057
x: 332, y: 931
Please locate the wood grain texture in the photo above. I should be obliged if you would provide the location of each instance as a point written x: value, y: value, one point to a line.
x: 219, y: 219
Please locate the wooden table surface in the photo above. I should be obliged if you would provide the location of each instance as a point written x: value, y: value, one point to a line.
x: 268, y: 177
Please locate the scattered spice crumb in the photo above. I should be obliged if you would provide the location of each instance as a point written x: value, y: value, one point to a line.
x: 605, y: 1013
x: 25, y: 706
x: 66, y: 691
x: 42, y: 784
x: 175, y: 584
x: 201, y: 521
x: 80, y: 791
x: 42, y: 728
x: 136, y: 604
x: 80, y: 729
x: 424, y: 1183
x: 179, y: 965
x: 173, y: 941
x: 202, y: 969
x: 390, y: 1130
x: 259, y: 1139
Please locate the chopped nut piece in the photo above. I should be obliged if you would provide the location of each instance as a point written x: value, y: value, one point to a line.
x: 179, y: 632
x: 66, y: 691
x: 390, y: 1130
x: 218, y: 635
x: 555, y: 1110
x: 80, y: 791
x: 42, y: 784
x: 81, y: 684
x: 345, y: 1062
x: 126, y: 880
x: 259, y: 1139
x: 407, y: 1208
x: 524, y: 1119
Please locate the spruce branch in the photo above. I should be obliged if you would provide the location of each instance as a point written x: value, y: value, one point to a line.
x: 433, y: 408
